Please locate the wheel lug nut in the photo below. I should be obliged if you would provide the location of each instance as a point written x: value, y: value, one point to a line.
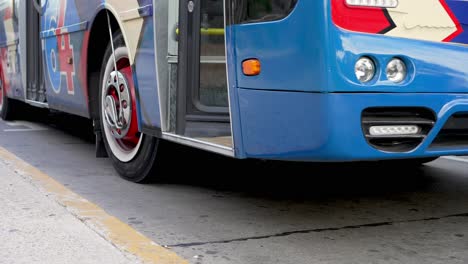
x: 122, y: 87
x: 124, y: 104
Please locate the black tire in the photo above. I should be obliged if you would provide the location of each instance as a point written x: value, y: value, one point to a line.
x: 141, y: 168
x: 8, y: 105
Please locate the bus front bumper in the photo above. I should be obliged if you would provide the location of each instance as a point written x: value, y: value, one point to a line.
x: 329, y: 126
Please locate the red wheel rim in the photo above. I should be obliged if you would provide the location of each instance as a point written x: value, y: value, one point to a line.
x: 131, y: 139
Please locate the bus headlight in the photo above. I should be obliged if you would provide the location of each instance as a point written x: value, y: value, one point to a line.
x: 396, y: 70
x: 364, y: 69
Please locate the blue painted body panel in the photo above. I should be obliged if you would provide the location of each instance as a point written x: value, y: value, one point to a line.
x: 145, y: 71
x: 307, y: 103
x: 234, y: 94
x: 309, y: 53
x: 292, y: 51
x: 433, y: 67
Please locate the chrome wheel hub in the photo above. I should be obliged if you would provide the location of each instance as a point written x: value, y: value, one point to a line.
x: 117, y: 105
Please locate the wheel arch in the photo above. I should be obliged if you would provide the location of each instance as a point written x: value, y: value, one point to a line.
x: 96, y: 48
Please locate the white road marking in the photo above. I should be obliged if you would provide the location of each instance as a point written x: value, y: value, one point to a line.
x: 30, y: 127
x: 455, y: 159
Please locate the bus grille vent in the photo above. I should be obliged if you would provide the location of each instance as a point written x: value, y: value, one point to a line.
x: 454, y: 133
x: 402, y: 128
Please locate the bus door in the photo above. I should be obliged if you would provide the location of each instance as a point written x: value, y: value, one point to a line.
x: 203, y: 104
x: 35, y: 87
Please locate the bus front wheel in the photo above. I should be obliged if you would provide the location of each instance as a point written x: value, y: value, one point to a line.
x: 133, y: 154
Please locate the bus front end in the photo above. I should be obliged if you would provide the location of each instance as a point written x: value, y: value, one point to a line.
x: 346, y: 80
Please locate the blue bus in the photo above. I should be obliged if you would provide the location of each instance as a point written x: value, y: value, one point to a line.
x: 298, y: 80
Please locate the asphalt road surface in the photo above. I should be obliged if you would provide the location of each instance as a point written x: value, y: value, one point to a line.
x: 310, y: 214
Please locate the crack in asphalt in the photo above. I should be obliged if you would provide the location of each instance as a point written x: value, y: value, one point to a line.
x: 316, y: 230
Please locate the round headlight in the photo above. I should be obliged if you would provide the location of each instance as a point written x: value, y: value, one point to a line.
x: 364, y: 69
x: 396, y: 70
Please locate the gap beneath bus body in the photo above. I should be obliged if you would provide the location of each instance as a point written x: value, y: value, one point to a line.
x: 202, y: 101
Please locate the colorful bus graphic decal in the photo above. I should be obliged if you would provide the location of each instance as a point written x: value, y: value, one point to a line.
x: 433, y: 20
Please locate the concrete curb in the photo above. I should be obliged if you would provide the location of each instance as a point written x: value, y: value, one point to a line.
x: 121, y: 235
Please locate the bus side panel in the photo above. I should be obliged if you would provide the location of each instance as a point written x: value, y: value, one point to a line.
x: 293, y: 58
x: 284, y: 125
x: 64, y: 34
x: 66, y: 70
x: 147, y: 87
x: 291, y: 50
x: 9, y: 47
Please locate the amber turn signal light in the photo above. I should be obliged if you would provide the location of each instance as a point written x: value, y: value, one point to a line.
x: 251, y: 67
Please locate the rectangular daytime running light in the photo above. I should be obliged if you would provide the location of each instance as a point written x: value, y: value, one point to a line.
x: 373, y: 3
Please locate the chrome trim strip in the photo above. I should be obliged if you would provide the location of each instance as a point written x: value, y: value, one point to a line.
x: 199, y: 144
x: 173, y: 59
x: 82, y: 26
x: 213, y: 59
x: 141, y: 12
x: 9, y: 43
x: 37, y: 104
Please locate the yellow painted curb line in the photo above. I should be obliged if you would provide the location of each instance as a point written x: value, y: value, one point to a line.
x: 112, y: 229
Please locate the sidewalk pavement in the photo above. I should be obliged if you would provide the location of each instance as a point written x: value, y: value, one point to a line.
x: 36, y: 229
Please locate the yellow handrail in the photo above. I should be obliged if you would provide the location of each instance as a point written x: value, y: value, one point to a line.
x: 208, y: 31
